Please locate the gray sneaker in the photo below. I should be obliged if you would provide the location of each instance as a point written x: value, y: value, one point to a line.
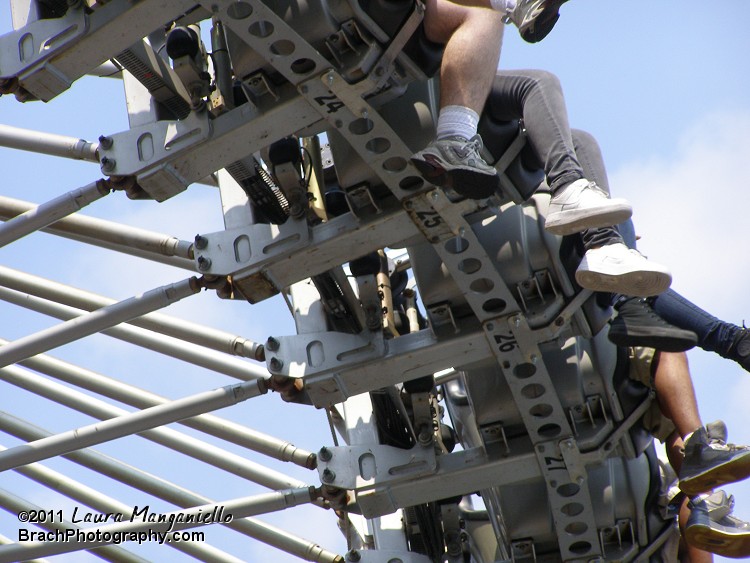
x: 712, y: 527
x: 536, y: 18
x: 457, y: 163
x: 710, y: 462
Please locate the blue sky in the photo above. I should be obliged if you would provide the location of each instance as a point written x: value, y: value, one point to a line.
x: 662, y: 85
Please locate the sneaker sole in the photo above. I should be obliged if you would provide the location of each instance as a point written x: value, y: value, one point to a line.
x: 466, y: 182
x: 733, y: 545
x: 574, y: 221
x: 729, y: 472
x: 665, y: 340
x: 542, y: 24
x: 636, y: 284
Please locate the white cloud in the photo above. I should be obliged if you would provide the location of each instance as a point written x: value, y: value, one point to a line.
x: 691, y: 210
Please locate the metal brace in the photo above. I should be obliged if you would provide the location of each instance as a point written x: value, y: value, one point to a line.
x: 318, y: 353
x: 365, y: 467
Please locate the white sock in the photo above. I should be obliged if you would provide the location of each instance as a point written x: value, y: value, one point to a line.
x: 457, y: 121
x: 503, y: 6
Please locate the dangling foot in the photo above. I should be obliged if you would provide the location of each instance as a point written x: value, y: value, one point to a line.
x: 710, y: 462
x: 615, y: 268
x: 457, y: 163
x: 739, y: 351
x: 536, y: 18
x: 712, y: 527
x: 637, y: 324
x: 583, y: 205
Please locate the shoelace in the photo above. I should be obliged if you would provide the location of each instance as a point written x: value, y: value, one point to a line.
x: 721, y: 445
x: 474, y: 145
x: 595, y: 187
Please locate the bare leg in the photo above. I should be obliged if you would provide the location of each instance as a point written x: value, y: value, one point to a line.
x: 472, y: 38
x: 675, y: 393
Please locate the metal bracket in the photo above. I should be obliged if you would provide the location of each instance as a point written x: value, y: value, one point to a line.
x: 54, y: 53
x: 365, y: 467
x: 318, y: 353
x: 132, y: 151
x: 226, y: 252
x: 25, y: 48
x: 385, y: 556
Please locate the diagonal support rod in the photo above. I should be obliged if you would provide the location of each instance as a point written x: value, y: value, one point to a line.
x: 196, y: 355
x: 142, y: 480
x: 52, y: 211
x: 97, y: 321
x: 111, y: 235
x: 15, y: 504
x: 47, y: 143
x: 188, y: 445
x: 194, y: 333
x: 228, y: 430
x: 238, y: 508
x: 130, y: 424
x: 105, y: 504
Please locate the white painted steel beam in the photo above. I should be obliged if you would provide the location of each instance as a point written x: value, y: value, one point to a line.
x: 64, y: 51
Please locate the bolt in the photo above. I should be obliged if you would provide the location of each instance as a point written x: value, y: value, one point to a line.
x: 461, y: 231
x: 365, y: 115
x: 353, y: 555
x: 517, y: 322
x: 579, y: 480
x: 8, y: 85
x: 275, y: 364
x: 424, y: 438
x: 329, y: 79
x: 568, y: 443
x: 454, y: 549
x: 325, y: 454
x: 559, y: 321
x: 108, y: 164
x: 328, y: 476
x: 490, y: 326
x: 434, y: 196
x: 200, y: 242
x: 204, y: 264
x: 303, y: 89
x: 533, y: 358
x: 272, y: 344
x: 105, y: 142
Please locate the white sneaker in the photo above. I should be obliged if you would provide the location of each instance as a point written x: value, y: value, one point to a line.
x: 583, y: 205
x: 617, y: 269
